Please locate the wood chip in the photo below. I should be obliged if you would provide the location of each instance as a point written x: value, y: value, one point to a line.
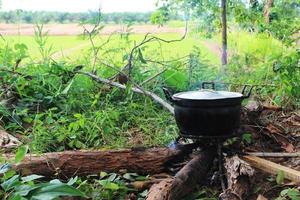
x: 261, y: 197
x: 8, y: 141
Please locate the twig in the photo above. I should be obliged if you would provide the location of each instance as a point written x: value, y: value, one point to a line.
x: 153, y: 77
x: 148, y: 39
x: 274, y: 154
x: 90, y: 36
x: 14, y: 72
x: 134, y: 89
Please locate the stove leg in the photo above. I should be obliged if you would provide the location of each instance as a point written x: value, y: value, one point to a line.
x: 221, y: 164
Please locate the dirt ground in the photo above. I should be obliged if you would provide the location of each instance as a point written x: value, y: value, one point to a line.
x: 75, y: 29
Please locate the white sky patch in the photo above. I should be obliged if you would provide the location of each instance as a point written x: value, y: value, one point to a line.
x: 80, y: 5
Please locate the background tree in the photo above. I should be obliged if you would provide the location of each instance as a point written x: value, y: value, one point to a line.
x: 161, y: 16
x: 279, y: 18
x: 224, y: 34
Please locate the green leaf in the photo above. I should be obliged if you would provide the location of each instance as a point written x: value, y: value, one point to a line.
x: 23, y: 190
x: 144, y: 193
x: 50, y: 191
x: 127, y: 176
x: 55, y: 181
x: 9, y: 174
x: 284, y: 192
x: 31, y: 178
x: 247, y: 137
x: 141, y: 57
x: 109, y: 185
x: 103, y: 174
x: 176, y: 79
x: 293, y: 193
x: 280, y: 177
x: 72, y: 180
x: 10, y: 183
x: 21, y: 152
x: 4, y: 168
x: 66, y: 90
x: 17, y: 197
x: 141, y: 178
x: 78, y: 144
x: 112, y: 177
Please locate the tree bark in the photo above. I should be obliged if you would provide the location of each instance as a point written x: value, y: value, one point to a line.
x: 185, y: 181
x: 267, y: 9
x: 238, y: 175
x: 82, y: 163
x: 224, y: 35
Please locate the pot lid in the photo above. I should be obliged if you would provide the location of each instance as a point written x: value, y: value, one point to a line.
x: 207, y: 95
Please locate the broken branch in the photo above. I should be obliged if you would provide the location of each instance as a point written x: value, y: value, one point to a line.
x: 274, y: 155
x: 272, y: 168
x: 134, y: 89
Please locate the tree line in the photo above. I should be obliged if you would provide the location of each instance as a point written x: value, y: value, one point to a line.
x: 20, y: 16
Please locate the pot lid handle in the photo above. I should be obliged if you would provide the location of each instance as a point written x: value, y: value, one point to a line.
x: 208, y: 90
x: 207, y: 83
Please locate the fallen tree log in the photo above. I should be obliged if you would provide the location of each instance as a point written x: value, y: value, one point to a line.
x: 82, y: 163
x: 185, y: 181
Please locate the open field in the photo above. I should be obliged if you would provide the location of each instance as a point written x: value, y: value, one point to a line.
x: 66, y: 43
x: 75, y: 47
x: 76, y: 29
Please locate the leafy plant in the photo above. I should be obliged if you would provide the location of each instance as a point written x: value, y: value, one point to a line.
x: 15, y: 187
x: 41, y: 39
x: 26, y: 188
x: 111, y: 186
x: 289, y: 194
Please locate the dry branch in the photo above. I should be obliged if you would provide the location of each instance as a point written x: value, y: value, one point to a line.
x: 272, y: 168
x: 134, y: 89
x: 274, y: 154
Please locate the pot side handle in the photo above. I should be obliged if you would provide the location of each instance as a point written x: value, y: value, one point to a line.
x: 168, y: 94
x: 246, y: 96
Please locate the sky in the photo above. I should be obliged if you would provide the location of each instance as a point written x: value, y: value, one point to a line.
x: 80, y: 5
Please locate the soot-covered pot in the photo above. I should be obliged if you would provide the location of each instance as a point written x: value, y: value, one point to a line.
x: 207, y: 112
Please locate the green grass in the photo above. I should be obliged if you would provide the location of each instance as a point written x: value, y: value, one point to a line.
x: 260, y: 45
x: 75, y: 48
x: 58, y: 43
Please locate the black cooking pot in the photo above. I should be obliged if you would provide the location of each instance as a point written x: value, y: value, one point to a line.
x: 207, y: 112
